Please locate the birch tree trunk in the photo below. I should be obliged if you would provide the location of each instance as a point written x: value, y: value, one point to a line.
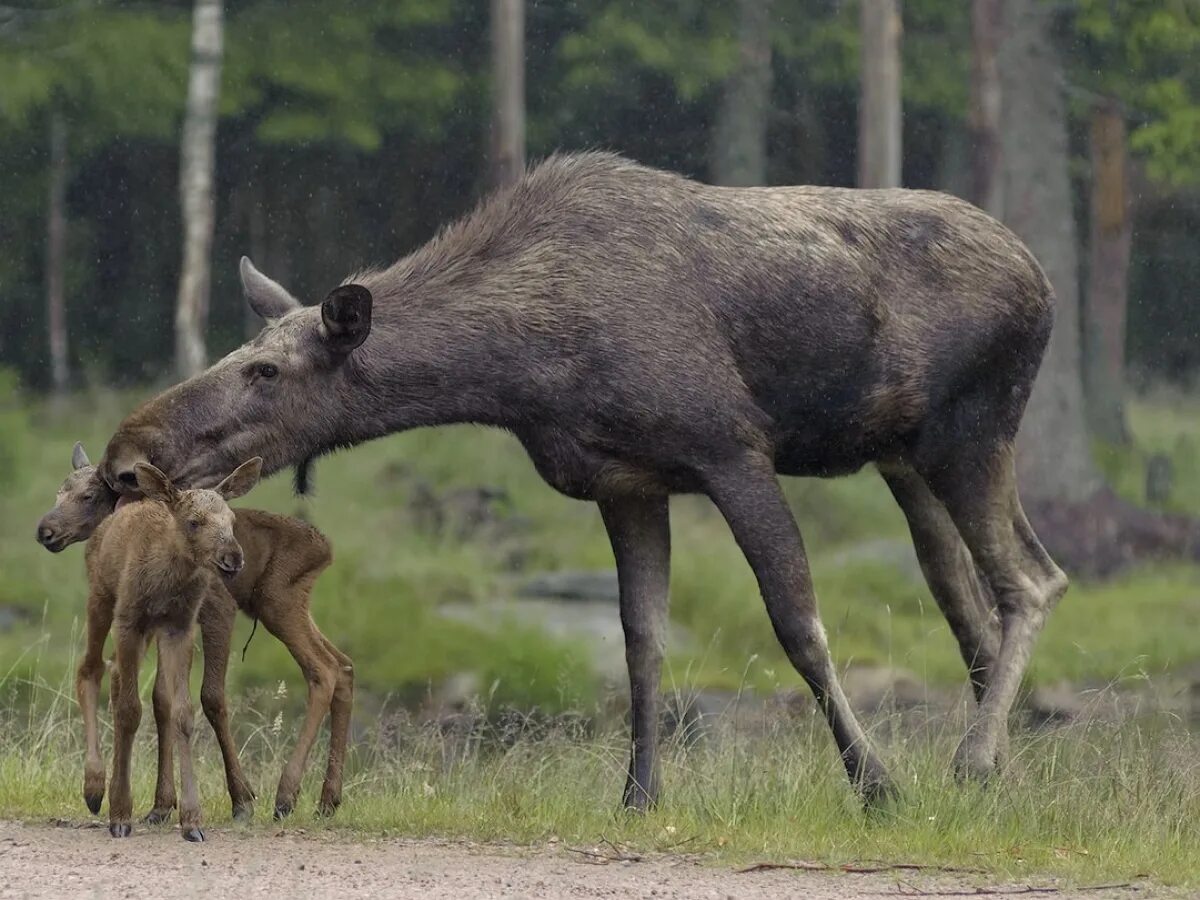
x: 508, y: 91
x: 986, y: 27
x: 1108, y: 275
x: 879, y: 112
x: 739, y: 153
x: 56, y: 254
x: 1054, y: 460
x: 196, y: 171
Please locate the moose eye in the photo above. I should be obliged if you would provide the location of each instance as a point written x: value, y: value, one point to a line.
x: 193, y: 524
x: 266, y: 370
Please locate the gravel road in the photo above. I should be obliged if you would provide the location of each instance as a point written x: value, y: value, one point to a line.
x: 44, y: 861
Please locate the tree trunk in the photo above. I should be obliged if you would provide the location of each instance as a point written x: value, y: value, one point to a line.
x: 986, y: 29
x: 879, y: 118
x: 1108, y: 275
x: 740, y: 134
x: 56, y: 254
x: 1054, y: 461
x: 196, y: 170
x: 508, y: 91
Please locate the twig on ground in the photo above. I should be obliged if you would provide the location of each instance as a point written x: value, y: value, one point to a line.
x: 910, y: 891
x: 617, y: 856
x: 858, y: 868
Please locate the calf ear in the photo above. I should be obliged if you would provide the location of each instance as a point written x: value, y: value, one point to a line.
x: 153, y: 484
x: 79, y: 459
x: 266, y: 297
x: 241, y: 479
x: 346, y: 313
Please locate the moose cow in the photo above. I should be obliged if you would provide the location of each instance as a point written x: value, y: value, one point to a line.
x: 642, y: 334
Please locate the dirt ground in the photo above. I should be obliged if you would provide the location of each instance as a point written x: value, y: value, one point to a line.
x: 45, y: 861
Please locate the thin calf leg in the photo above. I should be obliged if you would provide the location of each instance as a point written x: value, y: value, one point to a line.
x: 127, y: 715
x: 87, y: 692
x: 639, y: 530
x: 164, y: 791
x: 748, y: 496
x: 320, y: 669
x: 340, y: 707
x: 216, y: 618
x: 175, y: 657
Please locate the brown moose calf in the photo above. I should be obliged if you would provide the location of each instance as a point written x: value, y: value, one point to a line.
x: 154, y: 564
x: 283, y: 558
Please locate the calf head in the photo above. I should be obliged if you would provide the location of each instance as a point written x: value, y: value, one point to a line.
x: 202, y: 515
x: 83, y: 502
x: 283, y: 396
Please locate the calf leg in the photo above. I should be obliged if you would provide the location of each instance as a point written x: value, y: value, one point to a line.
x: 951, y: 575
x: 639, y: 529
x: 164, y: 791
x: 175, y: 658
x: 87, y: 692
x: 216, y: 618
x: 748, y: 496
x: 340, y: 708
x: 981, y: 497
x: 294, y: 627
x: 127, y: 715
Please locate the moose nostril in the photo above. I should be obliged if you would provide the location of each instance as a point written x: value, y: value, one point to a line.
x: 44, y: 533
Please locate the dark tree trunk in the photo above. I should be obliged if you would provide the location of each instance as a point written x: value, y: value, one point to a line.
x: 56, y: 254
x: 986, y: 27
x: 740, y: 134
x: 196, y: 170
x: 879, y: 113
x: 1054, y: 461
x: 1108, y: 275
x: 508, y: 91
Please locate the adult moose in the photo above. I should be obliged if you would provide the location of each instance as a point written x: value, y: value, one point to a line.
x: 642, y: 335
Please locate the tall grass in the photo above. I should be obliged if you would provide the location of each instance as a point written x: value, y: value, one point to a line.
x: 1087, y: 802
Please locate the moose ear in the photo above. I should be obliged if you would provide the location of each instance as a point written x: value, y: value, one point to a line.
x: 346, y: 313
x: 79, y: 459
x: 266, y: 297
x: 241, y: 480
x: 153, y: 484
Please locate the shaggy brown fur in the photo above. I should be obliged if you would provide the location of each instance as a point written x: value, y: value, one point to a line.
x: 641, y: 335
x: 283, y: 558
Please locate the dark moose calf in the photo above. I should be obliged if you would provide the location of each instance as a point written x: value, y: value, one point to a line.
x: 642, y: 335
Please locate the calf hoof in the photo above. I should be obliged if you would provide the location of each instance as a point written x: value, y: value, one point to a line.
x: 93, y: 802
x: 283, y: 809
x: 194, y: 835
x: 159, y: 815
x: 120, y: 829
x: 328, y: 806
x: 243, y: 812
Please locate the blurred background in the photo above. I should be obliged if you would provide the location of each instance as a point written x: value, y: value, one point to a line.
x: 144, y: 147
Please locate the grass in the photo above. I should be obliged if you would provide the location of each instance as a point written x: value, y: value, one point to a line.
x: 1095, y: 804
x: 1090, y: 804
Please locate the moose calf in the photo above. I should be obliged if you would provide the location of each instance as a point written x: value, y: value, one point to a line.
x: 283, y: 558
x: 154, y: 563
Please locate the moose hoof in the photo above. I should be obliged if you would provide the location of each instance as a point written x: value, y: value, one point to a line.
x: 158, y: 816
x: 120, y: 829
x: 194, y: 835
x: 243, y: 812
x: 93, y: 802
x: 283, y: 809
x: 328, y: 806
x: 974, y: 763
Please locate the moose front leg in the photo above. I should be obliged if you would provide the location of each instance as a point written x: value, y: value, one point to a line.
x: 127, y: 715
x: 175, y: 660
x: 639, y: 529
x: 749, y: 497
x: 164, y: 790
x: 87, y: 692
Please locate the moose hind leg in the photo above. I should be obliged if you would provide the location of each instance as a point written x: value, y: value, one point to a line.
x: 748, y: 496
x: 216, y: 619
x: 950, y: 572
x: 639, y: 530
x: 981, y: 497
x: 164, y: 790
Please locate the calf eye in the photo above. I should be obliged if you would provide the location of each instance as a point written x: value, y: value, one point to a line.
x: 266, y: 370
x: 193, y: 524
